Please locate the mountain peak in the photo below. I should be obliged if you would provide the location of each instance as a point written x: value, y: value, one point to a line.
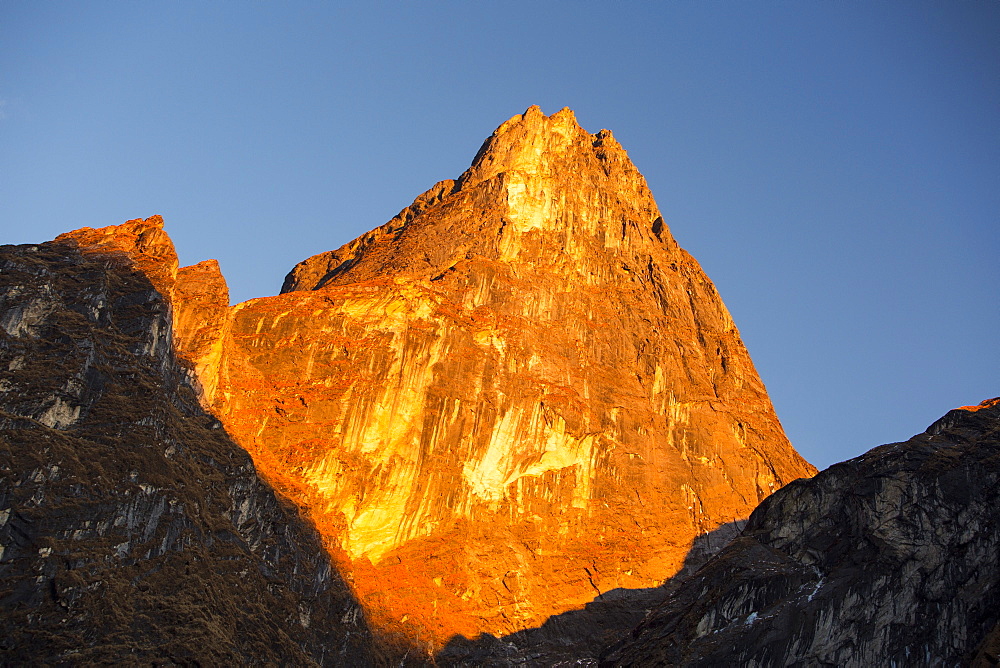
x: 519, y: 374
x: 142, y: 241
x: 534, y: 116
x: 535, y: 144
x: 522, y: 365
x: 536, y: 176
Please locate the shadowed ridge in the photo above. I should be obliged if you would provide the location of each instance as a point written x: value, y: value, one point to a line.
x: 961, y: 416
x: 132, y: 528
x: 197, y: 296
x: 885, y: 559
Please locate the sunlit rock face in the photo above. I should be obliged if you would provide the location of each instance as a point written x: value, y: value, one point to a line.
x: 200, y: 316
x: 516, y: 394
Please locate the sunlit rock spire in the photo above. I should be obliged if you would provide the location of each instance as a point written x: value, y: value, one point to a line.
x: 516, y: 394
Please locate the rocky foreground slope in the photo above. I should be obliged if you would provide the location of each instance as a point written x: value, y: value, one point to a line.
x: 889, y: 559
x: 132, y: 529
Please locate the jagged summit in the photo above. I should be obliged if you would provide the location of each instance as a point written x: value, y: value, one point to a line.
x: 535, y: 143
x: 143, y: 241
x: 536, y: 176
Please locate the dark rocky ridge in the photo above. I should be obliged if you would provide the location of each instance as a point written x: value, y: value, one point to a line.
x: 132, y: 529
x: 886, y: 559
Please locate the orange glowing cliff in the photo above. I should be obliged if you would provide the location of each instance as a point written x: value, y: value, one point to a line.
x: 518, y: 393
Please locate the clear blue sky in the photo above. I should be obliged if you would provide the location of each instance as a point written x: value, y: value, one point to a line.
x: 835, y: 166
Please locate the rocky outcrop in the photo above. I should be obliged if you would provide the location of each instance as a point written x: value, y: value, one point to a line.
x: 886, y: 559
x: 132, y: 529
x: 140, y: 244
x: 518, y: 394
x: 201, y: 312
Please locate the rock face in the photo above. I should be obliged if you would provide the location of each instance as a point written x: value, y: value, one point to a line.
x: 887, y: 559
x: 580, y: 637
x: 201, y: 306
x: 517, y: 394
x: 132, y: 529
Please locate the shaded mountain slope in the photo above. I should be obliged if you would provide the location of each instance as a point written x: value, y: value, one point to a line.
x: 132, y: 529
x: 886, y: 559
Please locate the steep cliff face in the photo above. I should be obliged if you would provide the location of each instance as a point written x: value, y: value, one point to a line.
x: 887, y: 559
x: 132, y: 529
x: 201, y: 312
x: 515, y: 395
